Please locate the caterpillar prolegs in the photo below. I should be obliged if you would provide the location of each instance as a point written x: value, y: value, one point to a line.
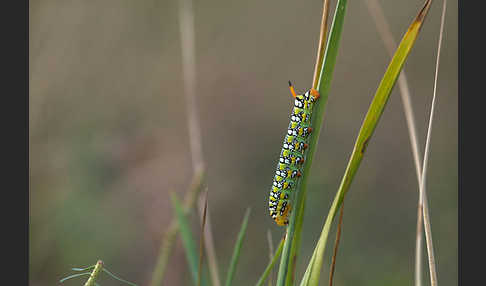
x: 292, y: 156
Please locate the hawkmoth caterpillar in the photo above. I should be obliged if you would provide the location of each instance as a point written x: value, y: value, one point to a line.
x: 292, y: 156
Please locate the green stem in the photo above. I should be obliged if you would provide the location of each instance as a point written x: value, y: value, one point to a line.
x: 300, y: 208
x: 323, y: 88
x: 94, y: 275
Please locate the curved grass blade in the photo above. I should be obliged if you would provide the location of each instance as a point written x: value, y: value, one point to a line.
x: 83, y: 269
x: 423, y: 192
x: 312, y: 274
x: 336, y: 246
x: 236, y: 251
x: 325, y: 76
x: 118, y: 278
x: 272, y: 263
x: 187, y: 238
x: 74, y: 276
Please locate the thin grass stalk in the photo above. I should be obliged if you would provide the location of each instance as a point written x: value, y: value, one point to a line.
x: 186, y: 15
x: 312, y: 274
x: 336, y: 246
x: 94, y: 274
x: 423, y: 191
x: 323, y: 87
x: 189, y: 77
x: 186, y: 25
x: 322, y: 44
x: 383, y: 28
x: 315, y: 82
x: 418, y: 244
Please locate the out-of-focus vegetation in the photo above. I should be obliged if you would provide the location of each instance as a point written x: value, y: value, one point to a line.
x: 109, y: 140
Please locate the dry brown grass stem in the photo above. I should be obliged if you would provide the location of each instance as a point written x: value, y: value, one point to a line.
x: 186, y: 16
x: 383, y: 28
x: 336, y: 245
x: 422, y: 209
x: 322, y: 46
x: 423, y: 193
x: 189, y: 79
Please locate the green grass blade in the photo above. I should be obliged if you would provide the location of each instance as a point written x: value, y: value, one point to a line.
x: 74, y: 276
x: 187, y: 238
x: 83, y: 269
x: 301, y: 207
x: 295, y: 225
x: 312, y: 274
x: 236, y: 251
x: 118, y: 278
x: 270, y: 266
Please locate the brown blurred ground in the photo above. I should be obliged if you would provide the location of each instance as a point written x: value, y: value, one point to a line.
x: 109, y: 139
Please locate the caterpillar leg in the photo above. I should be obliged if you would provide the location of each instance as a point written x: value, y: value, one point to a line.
x: 283, y: 217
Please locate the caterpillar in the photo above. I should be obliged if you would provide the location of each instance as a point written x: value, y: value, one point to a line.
x: 292, y: 156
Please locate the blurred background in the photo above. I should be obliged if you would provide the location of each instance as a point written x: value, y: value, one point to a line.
x: 109, y: 137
